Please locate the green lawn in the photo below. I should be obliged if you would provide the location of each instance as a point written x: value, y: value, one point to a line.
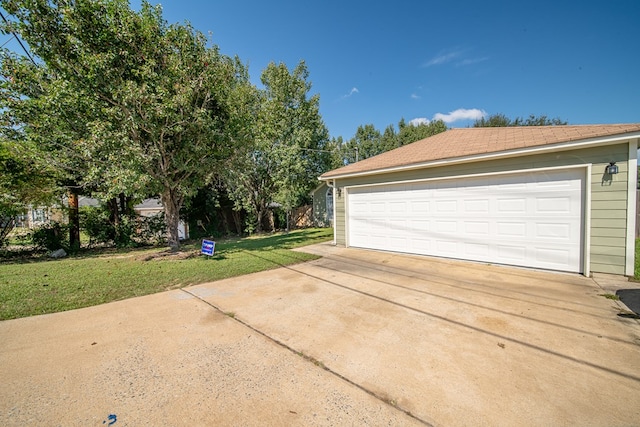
x: 32, y: 287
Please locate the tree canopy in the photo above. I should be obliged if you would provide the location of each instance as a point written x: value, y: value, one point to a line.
x: 288, y: 149
x: 137, y: 102
x: 369, y: 142
x: 500, y: 120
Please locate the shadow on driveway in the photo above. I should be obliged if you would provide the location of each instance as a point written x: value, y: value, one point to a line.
x: 630, y: 298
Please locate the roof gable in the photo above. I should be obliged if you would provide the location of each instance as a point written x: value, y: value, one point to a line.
x: 468, y: 142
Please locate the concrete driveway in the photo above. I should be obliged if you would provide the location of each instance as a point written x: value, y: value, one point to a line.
x: 355, y: 338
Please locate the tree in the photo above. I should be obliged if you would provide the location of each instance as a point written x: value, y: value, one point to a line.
x: 164, y: 106
x: 288, y: 151
x: 368, y: 142
x: 500, y: 120
x: 21, y: 183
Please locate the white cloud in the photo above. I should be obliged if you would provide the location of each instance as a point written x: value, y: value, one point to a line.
x: 353, y: 90
x: 414, y: 96
x: 419, y: 121
x: 460, y: 114
x: 465, y: 62
x: 443, y: 58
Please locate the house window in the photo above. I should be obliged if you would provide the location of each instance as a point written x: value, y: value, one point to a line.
x: 38, y: 215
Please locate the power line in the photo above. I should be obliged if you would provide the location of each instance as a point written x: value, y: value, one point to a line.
x: 18, y: 39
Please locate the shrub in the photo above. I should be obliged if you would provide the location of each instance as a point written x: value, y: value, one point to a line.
x: 95, y: 222
x: 51, y: 236
x: 152, y: 228
x: 130, y: 231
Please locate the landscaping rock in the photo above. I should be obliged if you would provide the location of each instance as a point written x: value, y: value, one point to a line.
x: 60, y: 253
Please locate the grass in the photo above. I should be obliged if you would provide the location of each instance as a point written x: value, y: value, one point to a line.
x: 30, y: 287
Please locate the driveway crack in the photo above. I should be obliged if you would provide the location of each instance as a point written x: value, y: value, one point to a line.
x: 311, y: 359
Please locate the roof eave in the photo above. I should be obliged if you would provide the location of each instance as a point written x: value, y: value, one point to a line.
x: 561, y: 146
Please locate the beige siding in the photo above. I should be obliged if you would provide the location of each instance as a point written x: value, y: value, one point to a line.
x: 608, y: 207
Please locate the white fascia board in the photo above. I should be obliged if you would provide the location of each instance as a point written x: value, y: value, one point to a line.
x: 564, y: 146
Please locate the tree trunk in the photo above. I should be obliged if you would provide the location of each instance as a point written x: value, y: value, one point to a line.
x: 74, y: 222
x: 237, y: 220
x: 124, y: 204
x: 172, y: 202
x: 260, y: 218
x: 114, y: 214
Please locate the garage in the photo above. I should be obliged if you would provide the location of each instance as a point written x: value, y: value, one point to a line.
x: 532, y: 219
x: 559, y: 198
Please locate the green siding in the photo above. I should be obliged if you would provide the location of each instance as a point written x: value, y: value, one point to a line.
x: 320, y: 214
x: 340, y: 216
x: 608, y: 207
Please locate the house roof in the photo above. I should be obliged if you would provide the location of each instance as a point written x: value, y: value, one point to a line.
x: 469, y: 143
x: 152, y: 204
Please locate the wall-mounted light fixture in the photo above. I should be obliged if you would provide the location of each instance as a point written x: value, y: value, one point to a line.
x: 612, y: 169
x: 339, y: 192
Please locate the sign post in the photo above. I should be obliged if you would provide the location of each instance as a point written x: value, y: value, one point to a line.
x: 208, y: 247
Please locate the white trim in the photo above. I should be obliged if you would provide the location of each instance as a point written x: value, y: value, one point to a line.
x: 586, y: 202
x: 472, y: 175
x: 632, y: 180
x: 585, y: 143
x: 587, y: 223
x: 346, y: 216
x: 332, y: 184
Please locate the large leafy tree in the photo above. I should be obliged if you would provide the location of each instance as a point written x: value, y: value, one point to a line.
x: 154, y: 100
x: 289, y: 145
x: 44, y: 119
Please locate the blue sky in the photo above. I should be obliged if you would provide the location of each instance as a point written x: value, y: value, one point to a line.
x: 378, y: 62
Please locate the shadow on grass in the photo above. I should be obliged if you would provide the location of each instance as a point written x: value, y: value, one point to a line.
x: 265, y: 243
x: 224, y: 247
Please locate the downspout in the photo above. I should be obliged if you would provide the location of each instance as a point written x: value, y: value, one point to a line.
x: 331, y: 184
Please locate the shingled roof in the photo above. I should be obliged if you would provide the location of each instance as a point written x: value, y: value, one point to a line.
x: 468, y: 142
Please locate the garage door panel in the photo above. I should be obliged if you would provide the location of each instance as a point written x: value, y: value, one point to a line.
x: 513, y: 253
x: 477, y: 205
x: 477, y: 228
x: 419, y: 206
x: 511, y: 205
x: 446, y: 206
x: 551, y: 256
x: 477, y: 250
x: 511, y: 229
x: 398, y: 207
x: 446, y: 227
x: 554, y: 231
x: 447, y: 247
x: 529, y: 219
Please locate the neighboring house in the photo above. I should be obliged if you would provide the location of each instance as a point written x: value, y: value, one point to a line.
x: 550, y: 197
x: 322, y: 198
x: 36, y: 217
x: 152, y: 207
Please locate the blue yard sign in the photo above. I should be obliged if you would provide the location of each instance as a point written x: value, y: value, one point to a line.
x: 208, y: 246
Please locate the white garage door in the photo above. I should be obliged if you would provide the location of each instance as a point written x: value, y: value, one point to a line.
x: 527, y: 219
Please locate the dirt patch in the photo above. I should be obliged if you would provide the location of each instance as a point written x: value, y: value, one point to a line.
x: 169, y: 256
